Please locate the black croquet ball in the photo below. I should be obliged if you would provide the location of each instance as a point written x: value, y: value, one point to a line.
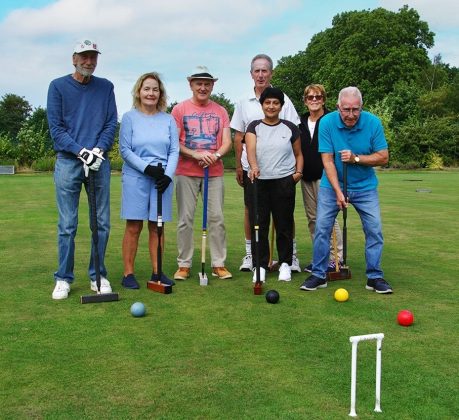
x: 272, y: 296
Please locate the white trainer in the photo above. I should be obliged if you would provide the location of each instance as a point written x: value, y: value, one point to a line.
x: 262, y: 275
x: 246, y: 263
x: 285, y: 273
x: 295, y: 264
x: 61, y: 290
x: 104, y: 286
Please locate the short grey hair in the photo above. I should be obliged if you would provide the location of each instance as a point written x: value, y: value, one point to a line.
x: 262, y: 57
x: 350, y: 91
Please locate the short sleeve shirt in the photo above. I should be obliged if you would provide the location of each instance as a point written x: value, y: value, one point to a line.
x: 275, y: 155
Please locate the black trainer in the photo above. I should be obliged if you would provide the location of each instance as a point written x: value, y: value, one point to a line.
x: 313, y: 283
x: 130, y: 282
x: 378, y: 285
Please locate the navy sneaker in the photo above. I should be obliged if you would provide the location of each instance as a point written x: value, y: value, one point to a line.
x: 164, y: 279
x: 313, y: 283
x: 308, y: 268
x: 378, y: 285
x: 130, y: 282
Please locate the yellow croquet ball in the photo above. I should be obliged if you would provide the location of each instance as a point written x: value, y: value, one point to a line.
x: 341, y: 295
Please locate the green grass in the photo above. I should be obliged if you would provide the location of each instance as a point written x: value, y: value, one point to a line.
x: 219, y: 351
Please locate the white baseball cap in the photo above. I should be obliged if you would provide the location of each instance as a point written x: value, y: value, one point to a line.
x: 201, y: 72
x: 86, y: 45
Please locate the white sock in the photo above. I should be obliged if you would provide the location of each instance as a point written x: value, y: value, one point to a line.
x: 248, y: 247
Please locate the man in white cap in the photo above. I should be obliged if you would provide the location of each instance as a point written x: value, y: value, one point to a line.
x: 82, y: 119
x: 204, y: 131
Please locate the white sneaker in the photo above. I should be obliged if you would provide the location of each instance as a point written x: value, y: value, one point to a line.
x: 104, y: 286
x: 246, y: 263
x: 295, y: 264
x: 262, y: 275
x: 61, y: 290
x: 284, y: 272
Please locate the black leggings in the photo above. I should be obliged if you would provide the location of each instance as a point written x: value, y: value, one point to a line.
x: 276, y: 197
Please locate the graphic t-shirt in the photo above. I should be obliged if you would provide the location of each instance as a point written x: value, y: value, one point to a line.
x: 201, y: 128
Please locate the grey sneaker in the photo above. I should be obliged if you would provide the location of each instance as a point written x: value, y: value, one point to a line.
x: 295, y: 264
x: 246, y: 263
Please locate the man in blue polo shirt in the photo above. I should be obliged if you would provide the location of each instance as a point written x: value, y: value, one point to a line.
x: 352, y: 137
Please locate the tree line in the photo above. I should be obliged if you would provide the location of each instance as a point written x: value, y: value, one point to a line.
x: 383, y: 53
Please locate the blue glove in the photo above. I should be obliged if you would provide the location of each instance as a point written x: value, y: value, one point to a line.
x: 162, y: 183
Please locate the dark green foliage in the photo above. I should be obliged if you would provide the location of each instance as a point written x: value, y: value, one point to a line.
x: 423, y: 141
x: 14, y: 111
x: 369, y: 49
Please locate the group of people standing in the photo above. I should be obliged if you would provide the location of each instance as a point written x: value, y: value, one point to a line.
x: 275, y: 150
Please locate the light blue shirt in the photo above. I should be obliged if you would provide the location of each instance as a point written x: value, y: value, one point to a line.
x: 148, y: 140
x: 364, y: 138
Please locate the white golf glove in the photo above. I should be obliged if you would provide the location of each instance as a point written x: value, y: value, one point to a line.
x: 91, y: 158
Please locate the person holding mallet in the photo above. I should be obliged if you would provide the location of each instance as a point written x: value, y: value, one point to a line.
x: 150, y: 149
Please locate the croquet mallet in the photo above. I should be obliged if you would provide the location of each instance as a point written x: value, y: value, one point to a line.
x: 99, y: 297
x: 258, y: 286
x: 343, y: 272
x: 157, y: 286
x: 203, y: 280
x: 340, y: 273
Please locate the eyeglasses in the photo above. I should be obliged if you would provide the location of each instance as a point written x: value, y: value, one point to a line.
x: 313, y: 97
x: 349, y: 111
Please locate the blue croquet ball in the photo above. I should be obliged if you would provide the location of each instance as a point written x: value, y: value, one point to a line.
x: 272, y: 296
x: 138, y: 309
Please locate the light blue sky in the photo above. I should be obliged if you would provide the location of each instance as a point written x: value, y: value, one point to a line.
x: 173, y: 36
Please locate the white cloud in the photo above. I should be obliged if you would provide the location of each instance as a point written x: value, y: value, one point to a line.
x: 439, y: 13
x: 172, y: 37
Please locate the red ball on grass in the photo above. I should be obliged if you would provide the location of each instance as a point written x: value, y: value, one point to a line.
x: 405, y: 318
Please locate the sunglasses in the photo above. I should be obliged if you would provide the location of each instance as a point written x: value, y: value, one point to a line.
x: 313, y: 97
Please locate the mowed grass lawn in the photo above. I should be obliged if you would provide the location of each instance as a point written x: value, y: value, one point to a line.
x: 219, y: 351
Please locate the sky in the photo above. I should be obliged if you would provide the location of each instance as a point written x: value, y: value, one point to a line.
x: 172, y: 37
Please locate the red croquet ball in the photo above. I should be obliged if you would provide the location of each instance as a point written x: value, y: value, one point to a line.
x: 405, y: 318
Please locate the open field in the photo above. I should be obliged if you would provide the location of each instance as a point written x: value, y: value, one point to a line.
x: 219, y: 351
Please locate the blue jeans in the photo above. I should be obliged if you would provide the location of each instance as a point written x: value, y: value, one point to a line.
x: 366, y: 204
x: 68, y: 179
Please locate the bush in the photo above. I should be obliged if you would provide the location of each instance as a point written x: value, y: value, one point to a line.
x: 7, y: 151
x: 116, y: 163
x: 32, y: 145
x: 45, y: 164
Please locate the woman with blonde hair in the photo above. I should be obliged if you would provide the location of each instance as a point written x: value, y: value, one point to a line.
x: 149, y: 147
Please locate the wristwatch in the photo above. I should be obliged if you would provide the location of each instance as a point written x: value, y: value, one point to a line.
x: 218, y: 155
x: 356, y: 159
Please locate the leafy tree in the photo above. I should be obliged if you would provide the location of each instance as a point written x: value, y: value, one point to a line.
x: 224, y: 102
x: 14, y: 111
x: 370, y: 49
x: 38, y: 121
x: 31, y: 145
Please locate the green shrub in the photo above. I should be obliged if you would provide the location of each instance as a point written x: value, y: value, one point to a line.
x: 45, y: 164
x: 116, y: 163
